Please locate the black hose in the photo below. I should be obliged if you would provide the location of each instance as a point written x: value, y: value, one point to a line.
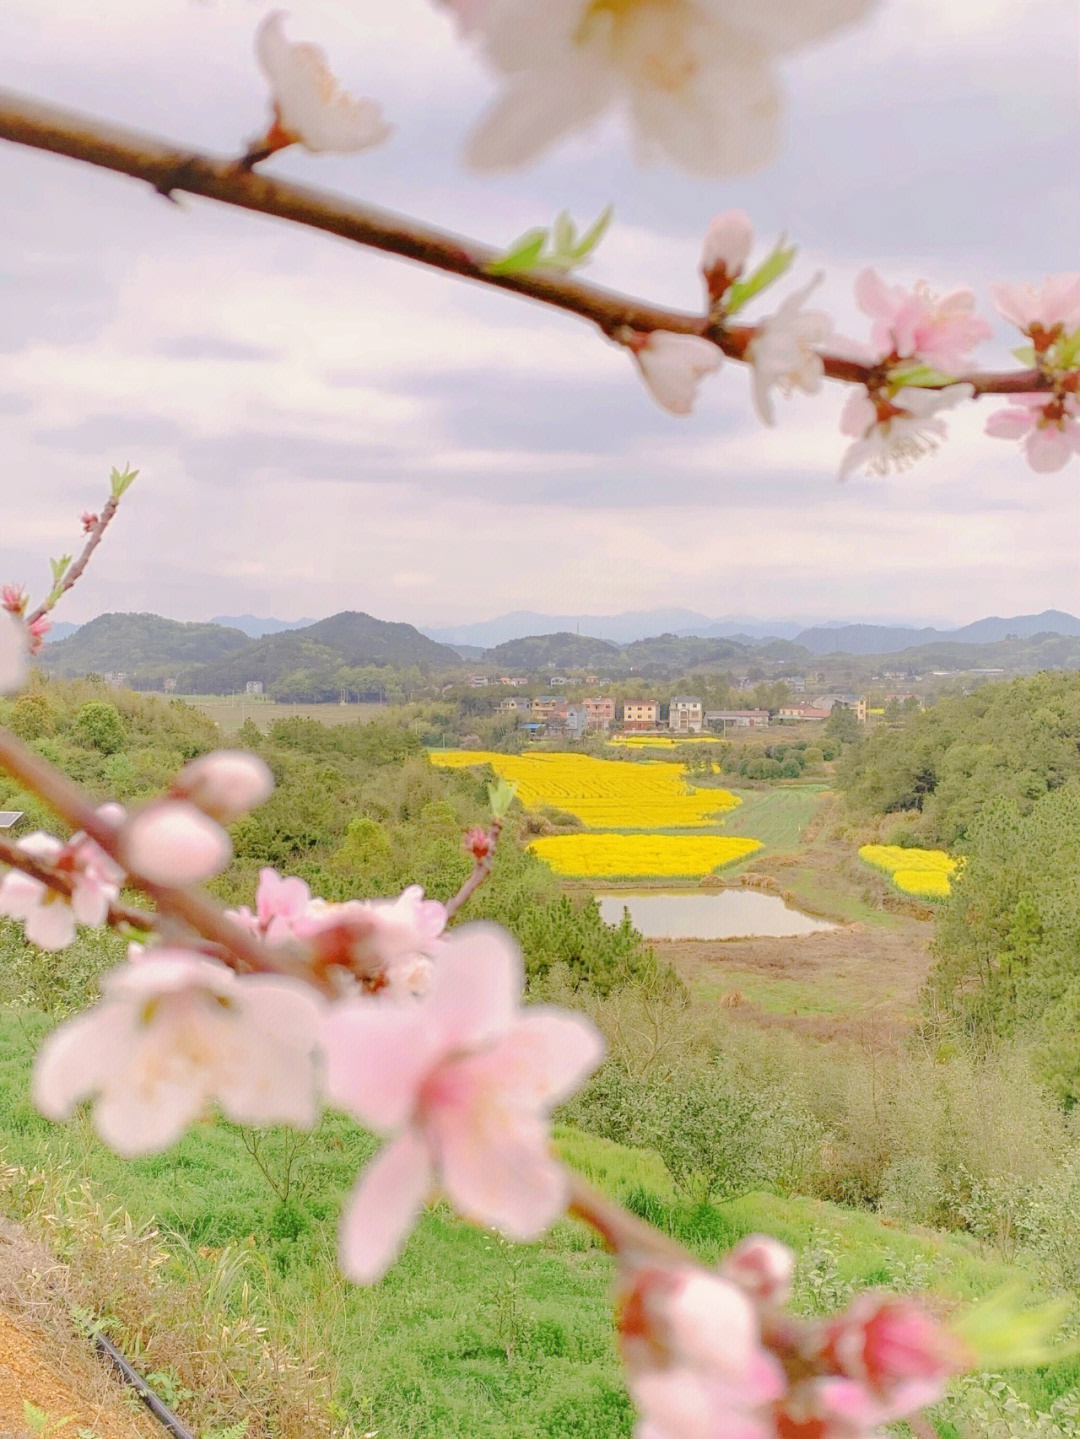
x: 159, y: 1410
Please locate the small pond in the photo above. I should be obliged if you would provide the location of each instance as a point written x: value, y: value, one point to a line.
x: 719, y: 914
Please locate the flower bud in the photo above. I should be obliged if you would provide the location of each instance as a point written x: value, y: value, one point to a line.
x: 171, y: 842
x: 762, y: 1268
x: 727, y: 245
x: 224, y: 785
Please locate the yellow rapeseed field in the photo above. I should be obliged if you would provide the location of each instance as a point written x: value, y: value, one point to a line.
x: 923, y: 872
x: 605, y: 856
x: 603, y: 793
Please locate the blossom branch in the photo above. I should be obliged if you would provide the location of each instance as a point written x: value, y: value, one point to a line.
x: 239, y: 948
x: 118, y: 914
x: 75, y: 571
x: 624, y: 1233
x: 481, y: 845
x: 167, y: 168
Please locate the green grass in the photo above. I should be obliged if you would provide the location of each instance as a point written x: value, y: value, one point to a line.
x: 779, y: 996
x: 776, y: 816
x: 466, y: 1336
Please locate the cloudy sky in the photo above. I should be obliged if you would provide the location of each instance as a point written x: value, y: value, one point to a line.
x: 318, y: 427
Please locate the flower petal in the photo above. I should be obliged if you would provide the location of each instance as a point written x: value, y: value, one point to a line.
x: 382, y: 1209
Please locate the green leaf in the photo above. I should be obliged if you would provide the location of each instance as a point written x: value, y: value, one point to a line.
x: 1025, y: 354
x: 501, y: 796
x: 120, y: 480
x: 562, y: 234
x: 521, y: 256
x: 914, y: 374
x: 594, y: 234
x: 770, y: 269
x: 1004, y: 1335
x: 59, y: 568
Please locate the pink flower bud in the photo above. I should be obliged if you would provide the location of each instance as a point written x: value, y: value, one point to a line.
x: 224, y: 785
x: 171, y: 842
x: 885, y: 1341
x: 13, y: 598
x: 89, y: 521
x: 37, y: 630
x: 477, y: 842
x: 762, y: 1268
x: 727, y: 244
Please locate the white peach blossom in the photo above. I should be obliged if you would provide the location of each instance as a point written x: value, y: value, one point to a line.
x: 672, y: 367
x: 174, y: 1033
x: 48, y: 916
x: 463, y: 1080
x: 388, y: 941
x: 727, y: 245
x: 696, y: 78
x: 895, y: 433
x: 310, y: 108
x: 1048, y: 425
x: 783, y: 350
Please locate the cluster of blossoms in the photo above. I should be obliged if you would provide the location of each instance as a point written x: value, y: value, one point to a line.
x: 714, y: 1355
x: 13, y: 600
x: 1048, y: 423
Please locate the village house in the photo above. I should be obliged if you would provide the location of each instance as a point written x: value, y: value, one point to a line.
x: 542, y: 707
x: 798, y: 712
x: 641, y: 714
x: 568, y: 719
x: 600, y: 712
x: 738, y: 719
x: 477, y: 682
x: 253, y: 687
x: 515, y: 704
x: 856, y: 703
x: 685, y: 714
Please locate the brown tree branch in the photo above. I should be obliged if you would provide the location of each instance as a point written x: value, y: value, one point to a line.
x: 25, y: 121
x: 75, y: 570
x: 193, y: 905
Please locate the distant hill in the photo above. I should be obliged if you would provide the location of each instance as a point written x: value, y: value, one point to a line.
x: 255, y: 628
x: 59, y: 630
x: 362, y: 639
x: 138, y: 644
x: 889, y: 639
x: 528, y: 624
x: 562, y: 650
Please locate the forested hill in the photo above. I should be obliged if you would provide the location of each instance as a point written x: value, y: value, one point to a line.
x: 1016, y: 741
x: 213, y: 659
x: 563, y: 649
x: 890, y: 639
x: 139, y: 642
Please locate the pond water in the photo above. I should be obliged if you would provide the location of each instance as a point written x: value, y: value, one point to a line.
x: 721, y: 914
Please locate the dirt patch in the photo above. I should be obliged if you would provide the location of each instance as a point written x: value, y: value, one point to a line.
x: 868, y: 977
x: 45, y: 1360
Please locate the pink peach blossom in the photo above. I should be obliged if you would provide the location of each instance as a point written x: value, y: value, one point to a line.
x: 1049, y: 426
x: 37, y: 630
x: 463, y: 1080
x: 889, y: 1344
x: 918, y: 325
x: 381, y: 940
x: 279, y: 903
x: 310, y: 108
x: 174, y: 1033
x: 673, y: 365
x: 13, y: 599
x: 1050, y: 310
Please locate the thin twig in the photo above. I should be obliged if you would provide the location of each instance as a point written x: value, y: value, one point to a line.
x: 74, y: 571
x: 480, y: 872
x: 624, y: 1233
x: 167, y: 168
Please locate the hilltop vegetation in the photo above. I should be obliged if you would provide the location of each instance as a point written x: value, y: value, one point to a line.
x: 140, y: 644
